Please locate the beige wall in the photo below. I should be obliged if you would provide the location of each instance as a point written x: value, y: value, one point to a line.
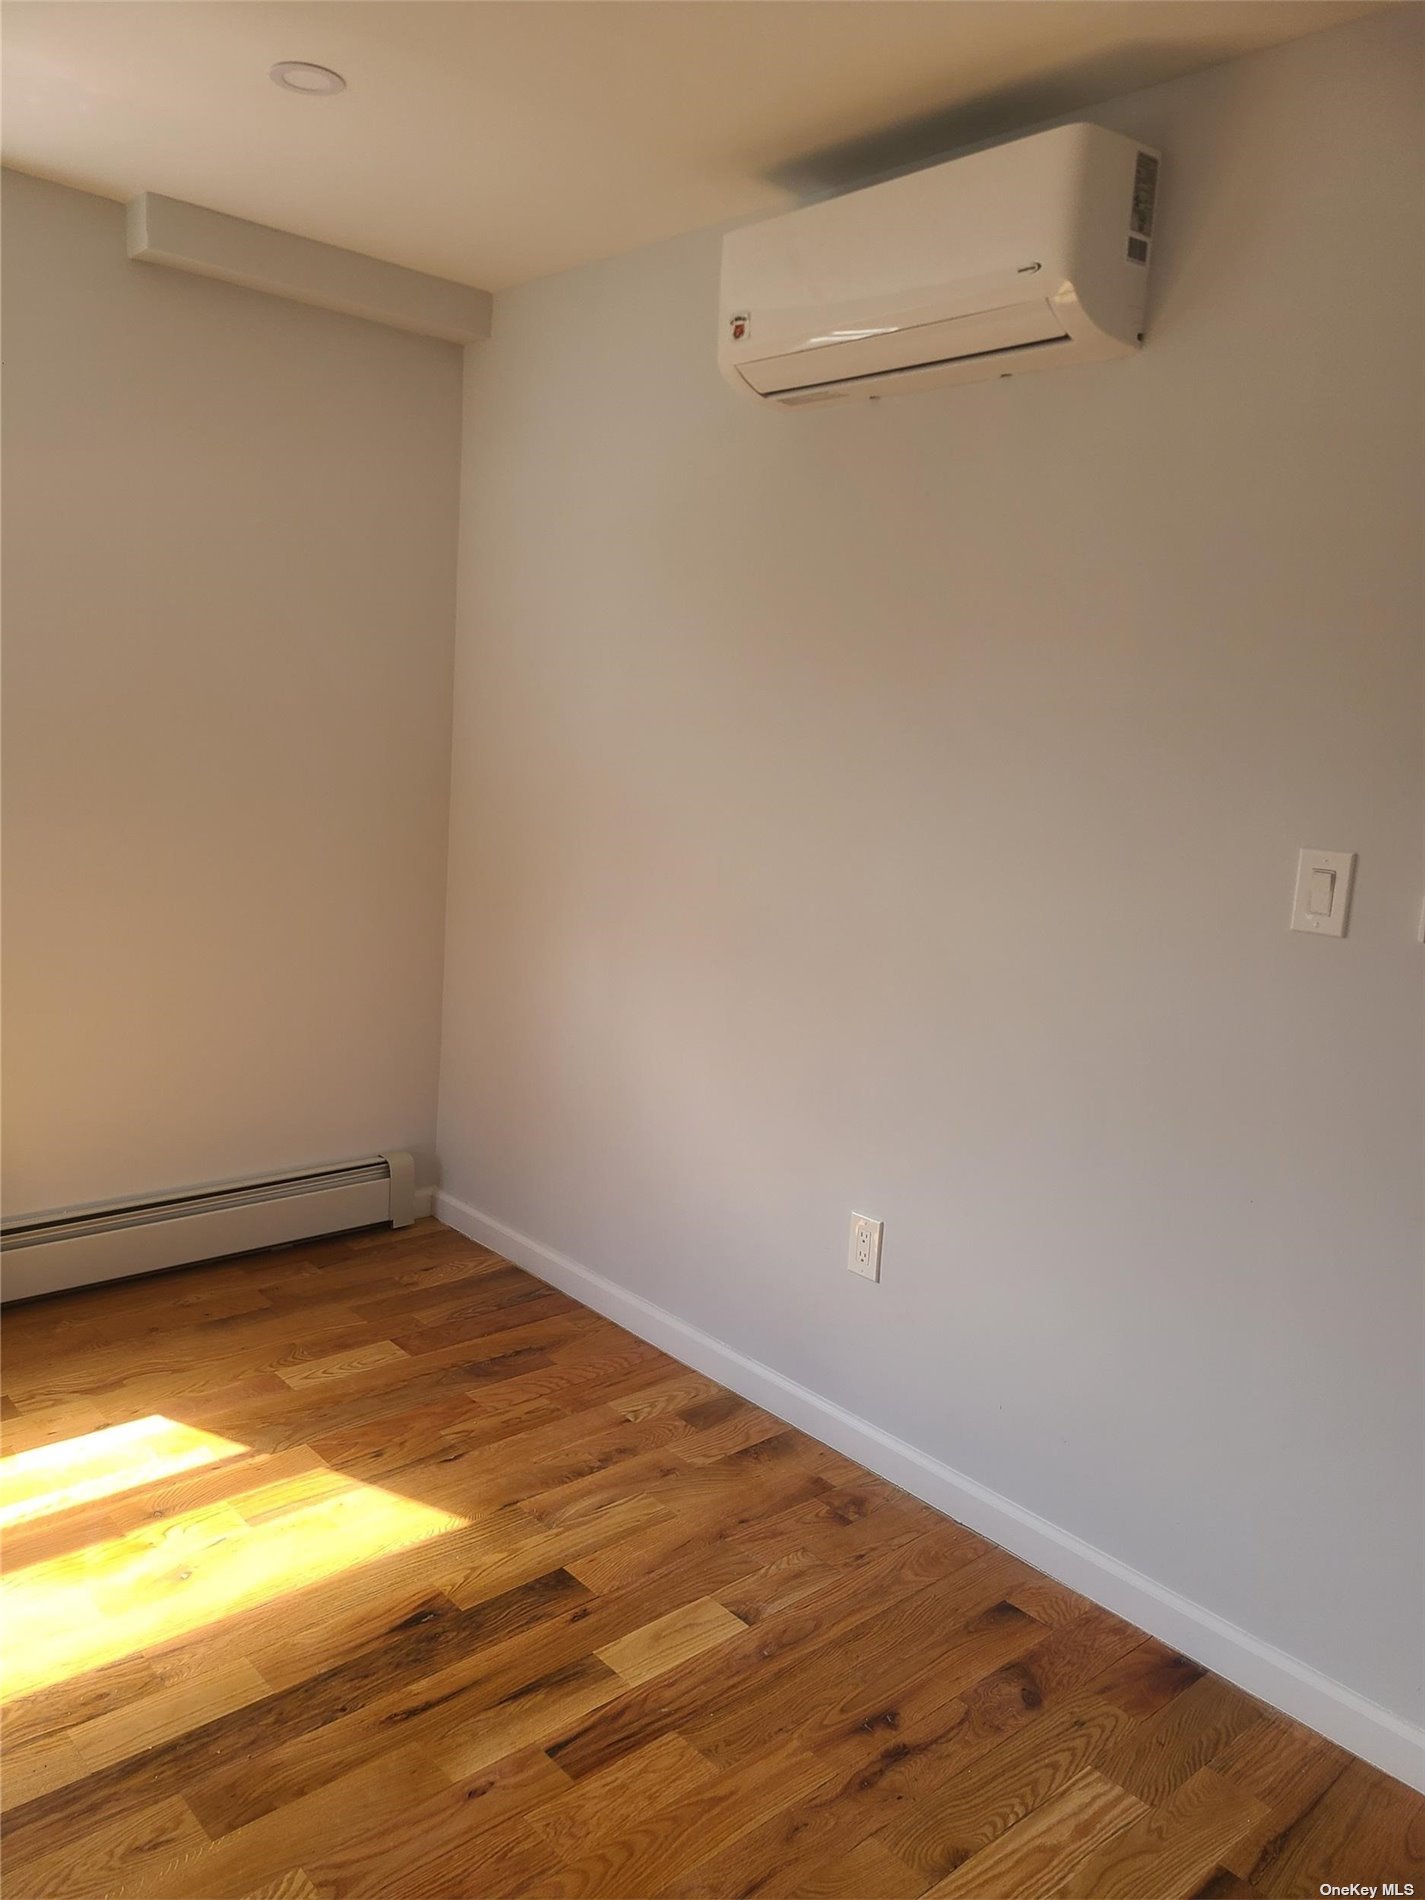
x: 895, y: 807
x: 228, y: 598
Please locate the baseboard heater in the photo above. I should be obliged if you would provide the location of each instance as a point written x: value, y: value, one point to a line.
x: 113, y: 1240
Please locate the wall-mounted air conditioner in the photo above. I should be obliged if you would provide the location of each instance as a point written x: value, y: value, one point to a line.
x: 1026, y: 256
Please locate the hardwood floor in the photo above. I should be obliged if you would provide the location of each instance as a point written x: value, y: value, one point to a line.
x: 379, y: 1568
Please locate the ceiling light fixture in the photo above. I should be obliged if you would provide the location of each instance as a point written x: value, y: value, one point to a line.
x: 300, y: 75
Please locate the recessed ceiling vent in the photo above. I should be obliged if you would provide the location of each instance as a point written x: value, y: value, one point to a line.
x: 300, y: 75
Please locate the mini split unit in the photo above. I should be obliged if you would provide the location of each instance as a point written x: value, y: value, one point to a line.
x: 1024, y: 257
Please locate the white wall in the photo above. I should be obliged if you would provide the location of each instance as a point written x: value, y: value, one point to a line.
x: 895, y: 807
x: 229, y: 595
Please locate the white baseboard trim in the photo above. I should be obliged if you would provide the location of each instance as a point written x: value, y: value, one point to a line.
x: 1387, y: 1741
x: 423, y: 1203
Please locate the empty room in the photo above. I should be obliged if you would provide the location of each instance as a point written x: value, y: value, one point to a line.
x: 713, y: 946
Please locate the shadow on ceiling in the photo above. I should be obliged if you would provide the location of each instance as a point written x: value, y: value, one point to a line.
x: 1074, y: 87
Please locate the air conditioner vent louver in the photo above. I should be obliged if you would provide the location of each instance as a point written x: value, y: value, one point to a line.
x: 826, y: 392
x: 918, y: 346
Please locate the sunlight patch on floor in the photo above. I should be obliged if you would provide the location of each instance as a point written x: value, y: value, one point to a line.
x: 169, y: 1578
x: 101, y: 1464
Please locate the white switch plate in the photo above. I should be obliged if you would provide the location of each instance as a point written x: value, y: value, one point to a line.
x: 1323, y: 892
x: 864, y: 1256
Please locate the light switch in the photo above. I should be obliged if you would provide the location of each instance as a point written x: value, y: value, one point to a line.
x: 1323, y: 892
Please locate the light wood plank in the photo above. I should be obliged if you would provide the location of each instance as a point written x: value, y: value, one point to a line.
x: 673, y: 1639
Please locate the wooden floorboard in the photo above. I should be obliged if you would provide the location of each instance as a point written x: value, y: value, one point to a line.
x: 376, y: 1567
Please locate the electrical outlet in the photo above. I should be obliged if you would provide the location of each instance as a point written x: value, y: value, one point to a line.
x: 865, y: 1254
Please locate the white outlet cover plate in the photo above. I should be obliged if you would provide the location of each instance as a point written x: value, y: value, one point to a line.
x: 864, y: 1253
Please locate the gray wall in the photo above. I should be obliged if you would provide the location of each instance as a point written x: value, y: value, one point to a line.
x: 896, y: 807
x: 229, y: 592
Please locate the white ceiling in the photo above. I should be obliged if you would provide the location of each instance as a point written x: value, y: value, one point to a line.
x: 497, y: 140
